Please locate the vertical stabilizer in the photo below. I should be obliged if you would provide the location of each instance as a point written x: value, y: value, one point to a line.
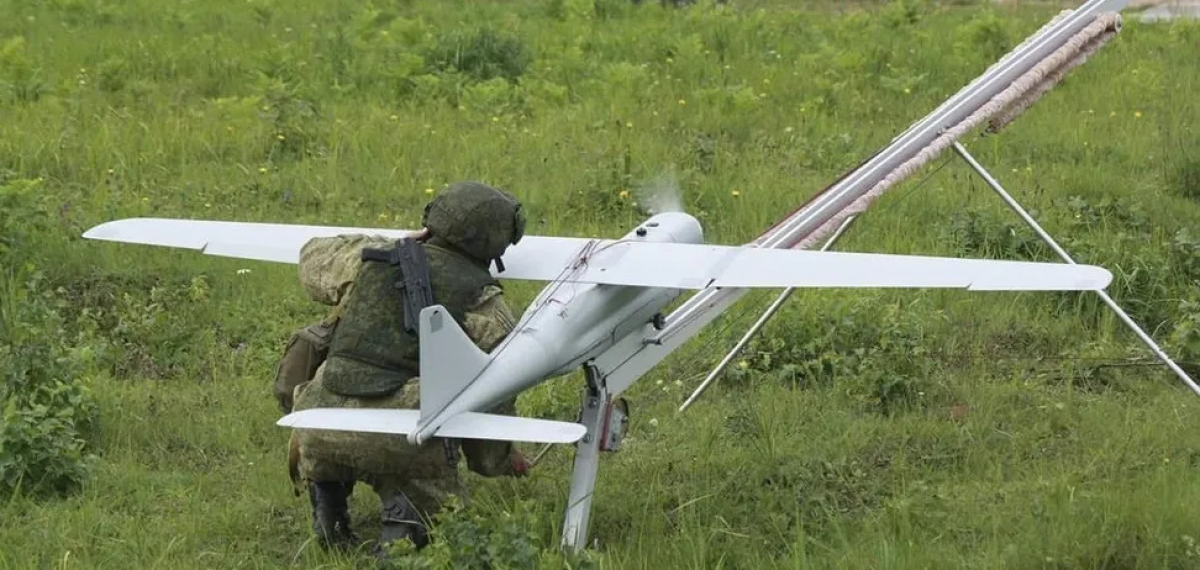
x: 449, y: 360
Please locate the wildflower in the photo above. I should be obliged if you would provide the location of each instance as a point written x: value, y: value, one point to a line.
x: 393, y: 117
x: 655, y: 113
x: 229, y: 129
x: 429, y: 190
x: 243, y: 271
x: 682, y: 102
x: 653, y: 422
x: 736, y: 193
x: 110, y: 171
x: 495, y: 119
x: 624, y: 194
x: 628, y: 125
x: 262, y: 170
x: 1112, y: 113
x: 766, y: 81
x: 280, y: 137
x: 907, y: 91
x: 1137, y: 114
x: 207, y: 205
x: 787, y: 130
x: 382, y: 217
x: 742, y: 364
x: 670, y: 60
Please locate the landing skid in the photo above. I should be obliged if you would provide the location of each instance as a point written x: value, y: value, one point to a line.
x: 605, y: 421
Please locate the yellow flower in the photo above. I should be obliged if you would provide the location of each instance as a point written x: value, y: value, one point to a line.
x: 624, y: 194
x: 280, y: 137
x: 682, y: 102
x: 495, y: 119
x: 429, y: 190
x: 743, y: 364
x: 230, y: 129
x: 393, y: 117
x: 262, y: 170
x: 1137, y: 114
x: 736, y: 193
x: 628, y: 125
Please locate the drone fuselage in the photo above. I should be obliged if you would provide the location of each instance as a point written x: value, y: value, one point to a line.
x: 565, y: 326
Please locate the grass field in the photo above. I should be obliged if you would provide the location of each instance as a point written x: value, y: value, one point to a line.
x: 869, y: 429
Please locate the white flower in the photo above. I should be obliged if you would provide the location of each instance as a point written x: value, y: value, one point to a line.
x: 653, y: 422
x: 243, y: 271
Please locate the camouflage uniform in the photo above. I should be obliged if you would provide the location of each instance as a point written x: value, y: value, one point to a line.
x: 372, y: 361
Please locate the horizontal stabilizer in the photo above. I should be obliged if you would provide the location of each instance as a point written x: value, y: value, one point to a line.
x: 467, y: 425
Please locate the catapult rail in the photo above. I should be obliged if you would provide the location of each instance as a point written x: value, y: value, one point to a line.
x: 623, y: 365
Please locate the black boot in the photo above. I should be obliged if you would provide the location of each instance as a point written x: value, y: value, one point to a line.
x: 331, y: 513
x: 401, y: 520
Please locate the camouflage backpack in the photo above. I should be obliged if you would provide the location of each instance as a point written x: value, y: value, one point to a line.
x: 305, y: 351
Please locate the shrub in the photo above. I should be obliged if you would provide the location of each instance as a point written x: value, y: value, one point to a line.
x: 46, y: 406
x: 877, y: 354
x: 466, y: 540
x: 483, y: 54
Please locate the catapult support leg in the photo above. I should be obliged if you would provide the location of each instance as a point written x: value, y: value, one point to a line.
x: 587, y: 462
x: 1008, y: 199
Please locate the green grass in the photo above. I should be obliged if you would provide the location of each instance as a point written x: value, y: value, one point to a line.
x: 909, y: 429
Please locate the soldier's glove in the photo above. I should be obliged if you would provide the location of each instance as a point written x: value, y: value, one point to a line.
x: 520, y: 465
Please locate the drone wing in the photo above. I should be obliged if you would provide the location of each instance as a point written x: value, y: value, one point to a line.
x: 640, y: 264
x: 535, y: 258
x: 695, y: 266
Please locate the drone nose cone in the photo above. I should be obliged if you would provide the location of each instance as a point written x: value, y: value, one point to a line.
x: 683, y: 228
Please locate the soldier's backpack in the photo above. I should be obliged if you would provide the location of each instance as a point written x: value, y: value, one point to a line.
x: 305, y: 351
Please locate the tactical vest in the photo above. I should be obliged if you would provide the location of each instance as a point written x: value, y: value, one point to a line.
x: 371, y: 354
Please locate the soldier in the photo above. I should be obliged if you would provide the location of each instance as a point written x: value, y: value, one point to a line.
x: 373, y: 359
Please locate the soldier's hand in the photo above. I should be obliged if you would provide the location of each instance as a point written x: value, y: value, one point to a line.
x: 520, y: 465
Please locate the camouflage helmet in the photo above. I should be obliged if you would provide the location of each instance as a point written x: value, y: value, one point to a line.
x: 480, y: 220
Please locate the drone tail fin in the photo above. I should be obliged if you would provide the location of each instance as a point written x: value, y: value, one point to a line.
x: 450, y: 361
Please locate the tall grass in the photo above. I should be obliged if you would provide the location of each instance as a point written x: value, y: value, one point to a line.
x: 862, y: 430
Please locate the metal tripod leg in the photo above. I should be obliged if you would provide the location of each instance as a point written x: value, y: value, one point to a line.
x: 1008, y: 199
x: 587, y: 462
x: 762, y: 320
